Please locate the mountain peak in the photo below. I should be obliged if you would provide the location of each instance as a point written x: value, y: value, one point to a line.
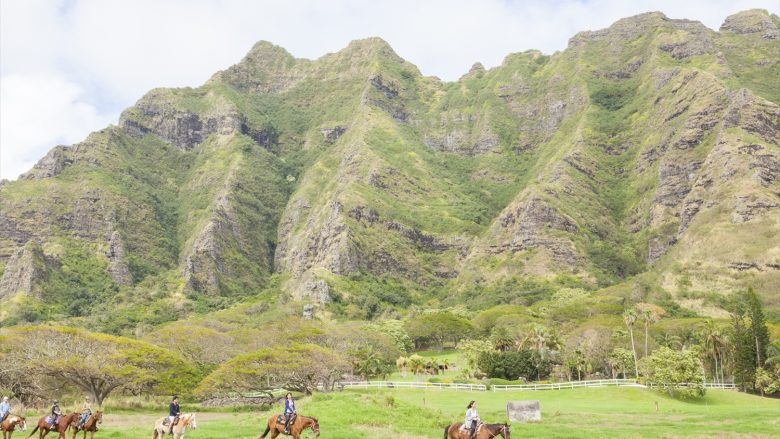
x: 264, y: 68
x: 371, y: 46
x: 630, y: 28
x: 752, y: 21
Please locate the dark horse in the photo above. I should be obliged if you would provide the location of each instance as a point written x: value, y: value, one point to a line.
x: 301, y: 423
x: 90, y: 425
x: 43, y: 428
x: 484, y: 431
x: 9, y: 425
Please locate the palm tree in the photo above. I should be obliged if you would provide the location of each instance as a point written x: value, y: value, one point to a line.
x: 629, y: 317
x: 579, y: 362
x: 713, y: 342
x: 402, y: 363
x: 649, y: 315
x: 416, y: 364
x: 543, y: 342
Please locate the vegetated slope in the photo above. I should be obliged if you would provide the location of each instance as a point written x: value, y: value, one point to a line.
x: 642, y: 159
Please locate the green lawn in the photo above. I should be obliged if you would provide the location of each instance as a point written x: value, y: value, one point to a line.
x: 415, y: 414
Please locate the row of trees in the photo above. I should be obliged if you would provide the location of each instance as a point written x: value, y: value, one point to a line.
x: 720, y: 353
x: 43, y: 362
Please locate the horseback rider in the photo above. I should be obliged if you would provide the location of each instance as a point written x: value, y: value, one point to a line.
x: 55, y: 413
x: 289, y: 410
x: 86, y: 412
x: 472, y: 418
x: 5, y: 409
x: 173, y: 413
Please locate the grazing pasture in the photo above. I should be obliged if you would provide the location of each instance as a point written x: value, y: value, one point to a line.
x: 417, y: 414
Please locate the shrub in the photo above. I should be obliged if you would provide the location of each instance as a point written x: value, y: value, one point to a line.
x: 508, y: 365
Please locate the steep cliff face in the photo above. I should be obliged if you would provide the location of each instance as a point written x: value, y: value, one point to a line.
x: 647, y: 150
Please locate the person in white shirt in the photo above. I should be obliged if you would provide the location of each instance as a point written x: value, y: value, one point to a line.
x: 472, y: 418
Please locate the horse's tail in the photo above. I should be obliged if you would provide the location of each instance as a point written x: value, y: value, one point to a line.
x: 155, y: 433
x: 34, y: 430
x: 267, y: 429
x: 446, y: 431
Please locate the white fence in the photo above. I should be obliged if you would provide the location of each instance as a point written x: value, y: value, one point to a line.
x: 567, y: 385
x: 725, y: 386
x: 409, y: 385
x: 597, y: 383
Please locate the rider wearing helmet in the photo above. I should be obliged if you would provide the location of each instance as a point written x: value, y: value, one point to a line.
x: 173, y: 412
x: 55, y: 413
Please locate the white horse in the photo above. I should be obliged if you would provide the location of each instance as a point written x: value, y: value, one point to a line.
x: 186, y: 420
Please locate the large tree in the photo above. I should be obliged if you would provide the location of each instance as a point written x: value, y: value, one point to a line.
x: 751, y: 339
x: 676, y: 372
x: 437, y: 328
x: 296, y: 367
x: 98, y: 364
x: 759, y: 332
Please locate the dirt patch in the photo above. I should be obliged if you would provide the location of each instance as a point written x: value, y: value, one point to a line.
x: 134, y: 420
x: 381, y: 432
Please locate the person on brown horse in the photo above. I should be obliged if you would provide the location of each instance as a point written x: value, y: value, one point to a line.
x: 484, y: 431
x: 289, y: 411
x: 472, y: 418
x: 64, y: 422
x: 297, y: 425
x: 86, y: 412
x: 55, y: 413
x: 90, y: 425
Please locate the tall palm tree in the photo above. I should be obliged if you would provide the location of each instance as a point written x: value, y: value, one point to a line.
x: 649, y: 316
x: 712, y: 339
x: 629, y: 317
x: 402, y: 363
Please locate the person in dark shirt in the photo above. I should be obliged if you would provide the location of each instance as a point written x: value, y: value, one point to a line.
x: 173, y: 413
x: 55, y: 413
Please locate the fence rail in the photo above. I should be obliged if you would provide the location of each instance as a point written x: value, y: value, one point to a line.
x: 409, y: 385
x: 496, y: 387
x: 725, y: 386
x: 567, y: 385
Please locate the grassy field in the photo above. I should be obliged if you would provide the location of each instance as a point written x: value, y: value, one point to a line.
x: 416, y: 414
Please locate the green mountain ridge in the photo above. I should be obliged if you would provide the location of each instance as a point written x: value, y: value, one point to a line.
x: 640, y: 164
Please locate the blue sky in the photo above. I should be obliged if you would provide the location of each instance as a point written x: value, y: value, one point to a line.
x: 69, y: 67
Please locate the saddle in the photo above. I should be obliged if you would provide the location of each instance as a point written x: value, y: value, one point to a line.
x: 280, y: 419
x: 51, y: 420
x: 465, y: 428
x: 167, y: 421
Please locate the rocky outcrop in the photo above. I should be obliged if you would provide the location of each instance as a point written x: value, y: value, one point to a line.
x: 159, y: 113
x: 755, y: 21
x: 333, y: 133
x: 117, y: 260
x: 50, y: 165
x: 24, y: 271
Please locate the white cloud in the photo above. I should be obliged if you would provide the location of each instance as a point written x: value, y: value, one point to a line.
x: 106, y: 53
x: 40, y: 112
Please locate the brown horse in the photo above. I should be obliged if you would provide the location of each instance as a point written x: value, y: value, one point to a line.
x: 296, y: 428
x: 10, y: 423
x: 484, y: 431
x: 43, y: 428
x: 90, y: 426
